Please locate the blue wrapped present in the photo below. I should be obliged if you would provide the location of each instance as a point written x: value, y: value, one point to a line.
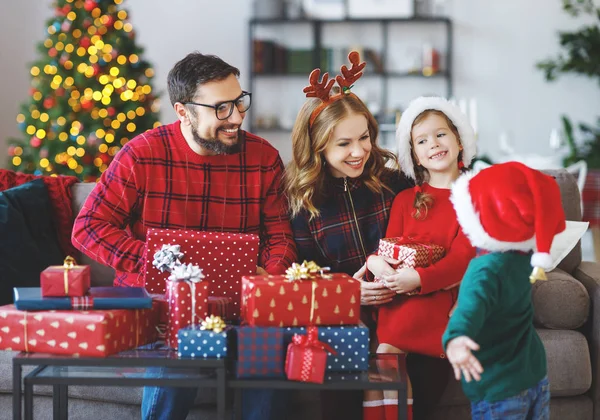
x: 261, y: 353
x: 31, y: 299
x: 194, y: 342
x: 351, y: 342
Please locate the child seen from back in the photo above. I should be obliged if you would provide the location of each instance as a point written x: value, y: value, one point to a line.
x: 505, y: 210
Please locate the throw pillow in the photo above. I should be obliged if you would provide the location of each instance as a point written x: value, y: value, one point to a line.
x: 28, y: 239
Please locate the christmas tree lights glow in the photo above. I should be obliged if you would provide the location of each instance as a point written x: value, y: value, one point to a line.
x: 91, y: 92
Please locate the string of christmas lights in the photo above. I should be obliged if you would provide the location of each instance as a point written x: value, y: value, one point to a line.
x: 91, y: 92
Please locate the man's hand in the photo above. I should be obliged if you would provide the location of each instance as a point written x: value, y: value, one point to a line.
x: 261, y: 271
x: 462, y: 360
x: 360, y: 274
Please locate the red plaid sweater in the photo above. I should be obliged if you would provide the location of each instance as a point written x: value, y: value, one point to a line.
x: 156, y: 180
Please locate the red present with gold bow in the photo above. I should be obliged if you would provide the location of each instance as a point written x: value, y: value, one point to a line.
x: 68, y: 279
x: 410, y: 252
x: 306, y: 357
x: 187, y: 297
x: 78, y: 333
x: 303, y: 296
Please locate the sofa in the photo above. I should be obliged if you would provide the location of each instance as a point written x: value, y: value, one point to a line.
x: 567, y: 315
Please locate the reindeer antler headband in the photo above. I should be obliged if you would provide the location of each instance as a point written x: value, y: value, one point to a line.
x: 321, y: 89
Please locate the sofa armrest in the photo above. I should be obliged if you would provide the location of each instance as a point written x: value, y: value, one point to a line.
x: 588, y: 273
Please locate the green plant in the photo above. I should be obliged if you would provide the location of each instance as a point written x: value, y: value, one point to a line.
x: 580, y: 55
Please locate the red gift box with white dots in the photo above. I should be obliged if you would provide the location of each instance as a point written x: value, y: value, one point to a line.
x: 179, y: 298
x: 78, y: 333
x: 224, y: 258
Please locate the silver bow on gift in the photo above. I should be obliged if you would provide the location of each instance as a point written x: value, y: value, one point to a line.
x: 186, y: 272
x: 190, y: 274
x: 166, y: 258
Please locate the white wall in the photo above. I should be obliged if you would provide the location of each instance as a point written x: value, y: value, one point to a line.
x: 496, y: 47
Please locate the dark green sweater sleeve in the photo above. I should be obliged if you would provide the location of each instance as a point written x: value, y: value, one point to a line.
x: 476, y: 298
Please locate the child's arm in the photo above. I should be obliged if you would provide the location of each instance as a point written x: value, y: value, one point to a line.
x: 477, y: 296
x: 462, y: 360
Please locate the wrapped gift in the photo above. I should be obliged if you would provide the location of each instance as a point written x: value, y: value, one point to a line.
x: 351, y: 342
x: 31, y: 299
x: 219, y: 306
x: 298, y: 298
x: 306, y: 357
x: 410, y: 252
x: 77, y: 333
x: 210, y: 339
x: 223, y: 257
x: 65, y: 280
x: 187, y: 297
x: 260, y: 352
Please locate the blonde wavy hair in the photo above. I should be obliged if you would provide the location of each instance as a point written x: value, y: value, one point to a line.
x: 423, y: 201
x: 305, y: 175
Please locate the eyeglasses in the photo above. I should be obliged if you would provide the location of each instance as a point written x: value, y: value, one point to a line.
x: 223, y: 110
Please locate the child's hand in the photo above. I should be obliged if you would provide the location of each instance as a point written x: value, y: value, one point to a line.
x: 459, y: 355
x: 380, y: 266
x: 404, y: 280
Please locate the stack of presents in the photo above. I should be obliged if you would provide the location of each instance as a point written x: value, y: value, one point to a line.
x: 202, y: 298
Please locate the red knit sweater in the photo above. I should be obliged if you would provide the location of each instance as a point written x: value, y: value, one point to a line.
x: 156, y: 180
x: 416, y: 323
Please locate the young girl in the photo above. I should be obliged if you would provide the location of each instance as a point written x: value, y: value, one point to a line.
x: 435, y: 143
x: 340, y: 194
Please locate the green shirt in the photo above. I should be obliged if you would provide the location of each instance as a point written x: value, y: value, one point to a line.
x: 495, y: 310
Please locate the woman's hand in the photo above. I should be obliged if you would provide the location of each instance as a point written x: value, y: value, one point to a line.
x: 404, y: 280
x: 380, y: 266
x: 374, y: 293
x: 462, y: 360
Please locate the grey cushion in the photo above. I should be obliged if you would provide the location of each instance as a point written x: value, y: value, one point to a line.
x: 569, y: 365
x: 562, y: 302
x: 571, y: 202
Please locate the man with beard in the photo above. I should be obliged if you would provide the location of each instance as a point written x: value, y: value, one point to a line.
x: 201, y: 172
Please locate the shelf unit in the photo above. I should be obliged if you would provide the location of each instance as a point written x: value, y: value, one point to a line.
x: 316, y: 29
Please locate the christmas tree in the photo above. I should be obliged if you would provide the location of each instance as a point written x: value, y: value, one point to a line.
x: 91, y: 92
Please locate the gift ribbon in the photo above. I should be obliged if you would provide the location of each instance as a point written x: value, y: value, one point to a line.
x: 82, y: 303
x: 25, y: 331
x: 68, y: 264
x: 310, y: 342
x: 213, y: 323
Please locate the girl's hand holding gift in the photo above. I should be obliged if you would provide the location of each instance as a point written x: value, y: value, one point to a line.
x: 381, y: 266
x: 404, y: 280
x: 375, y: 293
x: 462, y: 360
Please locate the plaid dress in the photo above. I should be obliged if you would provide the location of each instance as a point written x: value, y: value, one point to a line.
x: 334, y: 238
x: 156, y: 180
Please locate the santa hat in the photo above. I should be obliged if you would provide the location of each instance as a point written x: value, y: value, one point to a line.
x: 424, y: 103
x: 510, y: 206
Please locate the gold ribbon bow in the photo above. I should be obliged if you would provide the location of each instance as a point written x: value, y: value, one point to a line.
x: 308, y: 270
x: 68, y: 264
x: 213, y: 323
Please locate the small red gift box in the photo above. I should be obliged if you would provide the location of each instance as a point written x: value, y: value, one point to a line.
x: 224, y: 258
x: 65, y: 280
x: 219, y: 306
x: 410, y: 253
x: 188, y: 305
x: 318, y: 299
x: 77, y: 333
x: 306, y: 357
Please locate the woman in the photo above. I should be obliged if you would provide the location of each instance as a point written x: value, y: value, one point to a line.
x: 340, y: 186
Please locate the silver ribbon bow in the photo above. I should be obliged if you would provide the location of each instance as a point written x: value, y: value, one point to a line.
x: 167, y: 258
